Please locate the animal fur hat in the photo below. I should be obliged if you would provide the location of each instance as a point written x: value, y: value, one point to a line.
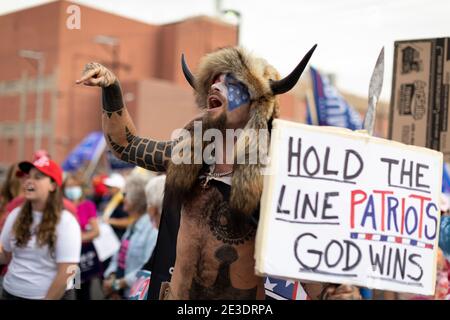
x: 263, y: 84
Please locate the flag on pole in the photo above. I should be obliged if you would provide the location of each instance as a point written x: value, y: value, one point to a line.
x: 87, y: 151
x: 330, y: 106
x: 445, y: 179
x: 311, y: 115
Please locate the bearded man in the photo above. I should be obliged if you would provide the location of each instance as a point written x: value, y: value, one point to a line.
x: 210, y: 211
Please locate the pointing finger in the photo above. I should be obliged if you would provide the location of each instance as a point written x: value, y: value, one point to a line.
x: 87, y: 74
x: 94, y: 81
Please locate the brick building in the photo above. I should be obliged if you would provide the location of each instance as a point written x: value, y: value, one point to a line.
x: 146, y: 58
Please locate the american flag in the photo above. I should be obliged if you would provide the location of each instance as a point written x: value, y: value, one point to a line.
x: 280, y: 289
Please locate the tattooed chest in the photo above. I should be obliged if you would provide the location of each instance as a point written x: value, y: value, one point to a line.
x: 210, y: 211
x: 227, y: 282
x: 228, y: 228
x: 226, y: 248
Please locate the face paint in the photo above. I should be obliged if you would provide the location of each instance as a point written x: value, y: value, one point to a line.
x: 237, y: 92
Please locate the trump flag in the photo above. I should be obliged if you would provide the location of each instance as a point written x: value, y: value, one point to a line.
x: 331, y: 108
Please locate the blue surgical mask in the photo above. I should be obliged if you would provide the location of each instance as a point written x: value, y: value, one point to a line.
x: 73, y: 193
x: 237, y: 92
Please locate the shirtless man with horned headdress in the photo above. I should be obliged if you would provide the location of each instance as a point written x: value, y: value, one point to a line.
x: 218, y: 202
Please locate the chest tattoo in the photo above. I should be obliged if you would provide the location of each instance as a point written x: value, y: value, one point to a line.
x: 222, y: 287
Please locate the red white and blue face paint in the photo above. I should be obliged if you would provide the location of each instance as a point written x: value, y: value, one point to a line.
x: 237, y: 92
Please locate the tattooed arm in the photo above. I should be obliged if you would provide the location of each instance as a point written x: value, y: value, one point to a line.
x: 118, y: 126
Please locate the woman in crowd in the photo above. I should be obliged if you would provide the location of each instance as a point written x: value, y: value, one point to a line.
x: 137, y: 242
x: 40, y: 240
x: 87, y: 217
x: 19, y: 199
x: 154, y: 191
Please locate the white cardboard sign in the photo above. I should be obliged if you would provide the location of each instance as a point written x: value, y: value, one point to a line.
x: 107, y: 243
x: 344, y: 207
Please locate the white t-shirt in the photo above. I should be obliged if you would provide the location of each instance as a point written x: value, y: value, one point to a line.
x: 32, y: 268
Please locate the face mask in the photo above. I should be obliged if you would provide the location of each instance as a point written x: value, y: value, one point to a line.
x: 237, y: 92
x: 73, y: 193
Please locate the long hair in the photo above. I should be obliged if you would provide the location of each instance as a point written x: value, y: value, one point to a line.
x: 46, y: 231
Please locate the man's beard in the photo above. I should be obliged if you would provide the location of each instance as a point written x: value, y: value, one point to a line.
x: 219, y: 122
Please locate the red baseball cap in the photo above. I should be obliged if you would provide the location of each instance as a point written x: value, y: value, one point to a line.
x: 99, y: 187
x: 46, y: 166
x: 40, y: 153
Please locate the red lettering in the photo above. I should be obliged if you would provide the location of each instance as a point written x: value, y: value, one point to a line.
x: 383, y: 198
x: 354, y: 202
x: 422, y: 200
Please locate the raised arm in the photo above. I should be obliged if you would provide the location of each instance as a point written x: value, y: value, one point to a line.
x: 118, y: 127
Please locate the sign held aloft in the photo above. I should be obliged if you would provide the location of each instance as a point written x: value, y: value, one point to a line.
x: 346, y: 207
x: 420, y: 102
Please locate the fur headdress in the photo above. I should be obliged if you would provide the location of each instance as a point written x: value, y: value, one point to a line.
x: 263, y: 83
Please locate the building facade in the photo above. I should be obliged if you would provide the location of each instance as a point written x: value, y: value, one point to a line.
x: 42, y: 108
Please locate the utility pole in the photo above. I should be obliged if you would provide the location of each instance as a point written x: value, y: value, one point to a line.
x: 53, y: 111
x: 231, y: 14
x: 22, y: 115
x: 218, y: 7
x: 112, y: 42
x: 39, y: 58
x: 115, y: 59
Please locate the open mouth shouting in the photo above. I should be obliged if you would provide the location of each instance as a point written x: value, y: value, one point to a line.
x: 215, y: 101
x: 29, y: 188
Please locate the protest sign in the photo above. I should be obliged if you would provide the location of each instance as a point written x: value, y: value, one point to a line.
x: 344, y: 207
x: 139, y: 289
x: 420, y: 103
x: 107, y: 243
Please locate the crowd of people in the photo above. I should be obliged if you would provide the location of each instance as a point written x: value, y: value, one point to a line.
x: 52, y: 226
x: 49, y: 221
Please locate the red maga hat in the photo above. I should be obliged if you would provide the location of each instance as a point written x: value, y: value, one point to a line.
x: 46, y: 166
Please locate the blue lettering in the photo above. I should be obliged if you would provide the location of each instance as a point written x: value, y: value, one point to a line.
x: 429, y: 206
x: 392, y: 212
x: 369, y: 212
x: 411, y: 209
